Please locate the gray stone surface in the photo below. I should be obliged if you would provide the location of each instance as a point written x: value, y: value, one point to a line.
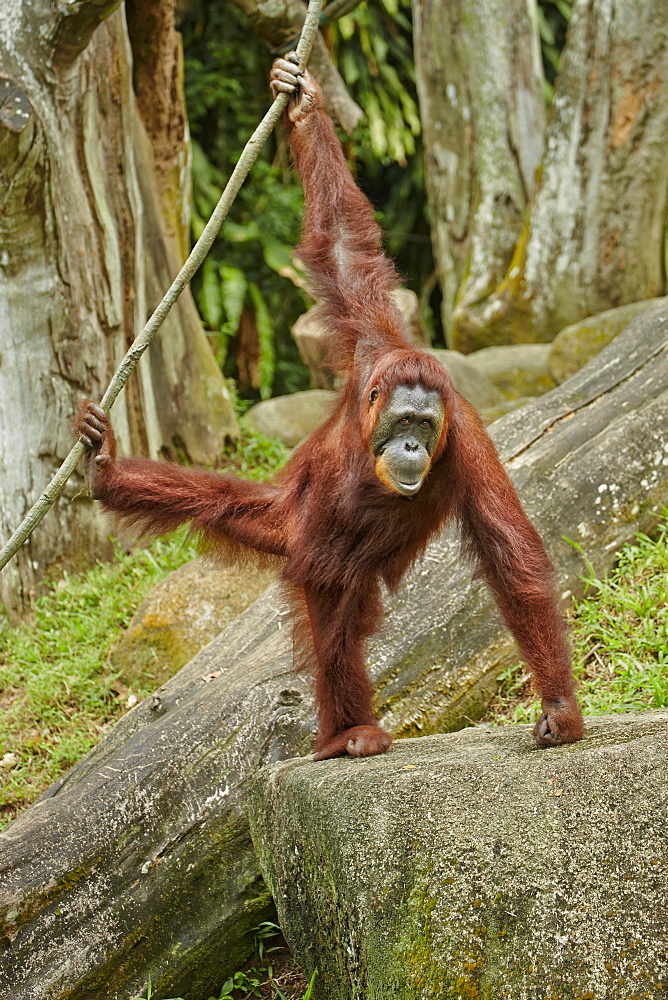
x: 291, y: 418
x: 575, y: 345
x: 516, y: 370
x: 475, y: 866
x: 474, y: 385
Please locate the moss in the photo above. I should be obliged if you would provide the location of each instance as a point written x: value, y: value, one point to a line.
x: 503, y: 317
x: 33, y: 904
x: 426, y: 977
x: 441, y: 870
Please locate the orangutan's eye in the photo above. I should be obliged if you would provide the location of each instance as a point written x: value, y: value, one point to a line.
x: 425, y: 423
x: 374, y: 394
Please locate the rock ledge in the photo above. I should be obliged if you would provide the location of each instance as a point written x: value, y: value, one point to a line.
x: 474, y: 865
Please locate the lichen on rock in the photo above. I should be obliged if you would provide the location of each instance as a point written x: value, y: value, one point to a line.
x: 188, y: 609
x: 473, y: 865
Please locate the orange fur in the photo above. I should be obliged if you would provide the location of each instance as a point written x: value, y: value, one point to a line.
x: 329, y: 515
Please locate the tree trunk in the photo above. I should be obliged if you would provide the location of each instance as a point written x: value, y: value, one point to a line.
x: 480, y: 84
x: 83, y: 261
x: 139, y: 860
x: 595, y: 236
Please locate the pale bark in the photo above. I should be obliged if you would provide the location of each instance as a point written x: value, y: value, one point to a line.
x: 480, y: 84
x: 595, y: 236
x: 139, y: 860
x: 83, y: 260
x: 279, y: 25
x: 157, y: 76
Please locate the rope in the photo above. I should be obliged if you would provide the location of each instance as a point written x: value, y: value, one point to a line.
x: 197, y: 255
x: 332, y: 12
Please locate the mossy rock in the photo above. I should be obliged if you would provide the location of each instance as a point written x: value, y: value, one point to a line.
x: 473, y: 384
x: 188, y: 609
x: 492, y: 413
x: 575, y: 345
x: 474, y: 865
x: 293, y: 417
x: 516, y: 370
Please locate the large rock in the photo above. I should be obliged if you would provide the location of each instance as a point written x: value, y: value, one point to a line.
x: 139, y: 860
x: 475, y: 866
x: 311, y: 335
x: 575, y: 345
x: 492, y: 413
x: 293, y: 417
x: 188, y: 609
x: 473, y: 384
x: 516, y: 370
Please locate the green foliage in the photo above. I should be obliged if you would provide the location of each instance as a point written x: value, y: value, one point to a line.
x: 226, y: 77
x: 620, y: 639
x: 59, y: 695
x: 260, y: 981
x: 373, y: 48
x: 254, y: 456
x: 553, y: 20
x: 149, y: 993
x: 249, y: 289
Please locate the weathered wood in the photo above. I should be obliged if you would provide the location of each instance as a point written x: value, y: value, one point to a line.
x: 595, y: 236
x: 139, y: 861
x: 480, y: 84
x: 82, y: 261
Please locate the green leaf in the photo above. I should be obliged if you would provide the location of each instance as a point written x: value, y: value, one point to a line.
x: 309, y: 991
x: 280, y: 258
x: 376, y: 127
x: 545, y: 28
x: 346, y: 26
x: 265, y: 330
x: 233, y: 290
x: 236, y: 233
x: 211, y: 302
x: 207, y: 181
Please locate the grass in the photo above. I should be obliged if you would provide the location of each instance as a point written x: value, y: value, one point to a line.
x: 58, y: 694
x: 620, y: 639
x: 254, y: 456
